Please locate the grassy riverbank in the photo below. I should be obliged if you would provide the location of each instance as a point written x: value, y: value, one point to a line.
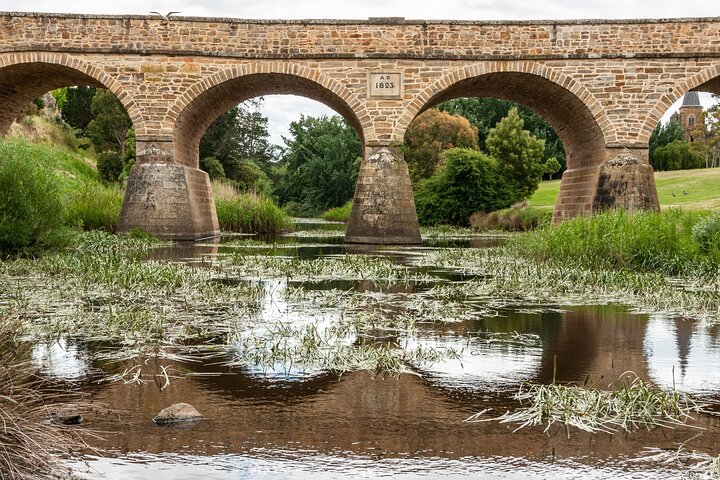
x: 52, y: 191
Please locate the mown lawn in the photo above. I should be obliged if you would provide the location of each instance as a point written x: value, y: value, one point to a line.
x: 687, y: 189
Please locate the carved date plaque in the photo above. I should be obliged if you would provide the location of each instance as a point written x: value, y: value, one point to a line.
x: 385, y: 85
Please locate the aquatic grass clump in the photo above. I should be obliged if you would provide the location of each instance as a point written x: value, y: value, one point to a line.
x: 338, y: 214
x: 700, y: 464
x: 248, y: 213
x: 643, y: 241
x: 104, y: 290
x: 29, y: 442
x: 630, y: 404
x: 348, y: 267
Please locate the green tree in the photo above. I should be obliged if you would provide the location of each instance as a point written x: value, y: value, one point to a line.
x: 319, y: 165
x: 110, y: 126
x: 551, y: 167
x: 485, y: 113
x: 518, y: 152
x: 429, y: 135
x: 706, y: 137
x: 213, y: 167
x: 75, y: 104
x: 661, y: 136
x: 466, y: 181
x: 240, y: 133
x: 239, y: 140
x: 676, y: 155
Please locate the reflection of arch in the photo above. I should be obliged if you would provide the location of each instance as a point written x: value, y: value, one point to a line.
x: 708, y: 80
x: 572, y: 111
x: 194, y: 111
x: 26, y: 76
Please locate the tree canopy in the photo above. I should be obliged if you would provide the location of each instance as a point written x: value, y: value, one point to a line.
x: 485, y: 113
x: 429, y: 135
x: 518, y: 152
x: 319, y: 165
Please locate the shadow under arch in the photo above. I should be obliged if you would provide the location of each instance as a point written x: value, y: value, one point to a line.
x: 707, y: 80
x: 25, y: 77
x: 573, y: 112
x: 224, y: 90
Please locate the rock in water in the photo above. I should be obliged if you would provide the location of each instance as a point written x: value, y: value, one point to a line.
x: 67, y: 415
x: 178, y: 413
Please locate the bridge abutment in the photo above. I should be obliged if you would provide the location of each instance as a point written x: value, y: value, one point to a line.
x: 168, y: 200
x: 383, y: 210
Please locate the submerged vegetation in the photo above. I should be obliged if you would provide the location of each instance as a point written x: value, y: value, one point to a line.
x: 629, y: 404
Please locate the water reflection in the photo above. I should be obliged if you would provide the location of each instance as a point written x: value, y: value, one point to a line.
x: 62, y: 360
x: 270, y: 420
x: 683, y: 353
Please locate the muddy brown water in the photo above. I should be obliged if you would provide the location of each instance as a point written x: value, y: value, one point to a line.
x: 316, y: 425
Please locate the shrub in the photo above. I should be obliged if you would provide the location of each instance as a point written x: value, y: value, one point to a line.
x: 338, y: 214
x: 706, y: 232
x: 518, y: 218
x: 94, y: 206
x: 31, y: 211
x: 297, y: 209
x: 248, y: 212
x: 467, y: 181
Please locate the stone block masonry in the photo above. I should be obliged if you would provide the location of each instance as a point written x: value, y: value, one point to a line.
x: 603, y: 86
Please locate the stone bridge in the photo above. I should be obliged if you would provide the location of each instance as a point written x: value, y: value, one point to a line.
x: 602, y: 85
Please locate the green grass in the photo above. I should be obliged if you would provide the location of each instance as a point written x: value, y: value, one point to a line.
x: 702, y: 187
x: 338, y: 214
x: 71, y: 169
x: 250, y: 213
x: 95, y: 206
x: 545, y: 195
x: 641, y: 241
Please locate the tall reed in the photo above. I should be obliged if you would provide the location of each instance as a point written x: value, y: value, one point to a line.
x: 247, y: 212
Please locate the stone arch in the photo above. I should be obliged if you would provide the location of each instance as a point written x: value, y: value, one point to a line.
x: 25, y: 76
x: 200, y: 105
x: 707, y: 80
x: 576, y: 115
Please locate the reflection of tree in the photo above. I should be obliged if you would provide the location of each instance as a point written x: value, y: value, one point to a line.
x: 683, y: 338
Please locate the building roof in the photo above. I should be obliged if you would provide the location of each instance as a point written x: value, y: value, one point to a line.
x: 691, y: 99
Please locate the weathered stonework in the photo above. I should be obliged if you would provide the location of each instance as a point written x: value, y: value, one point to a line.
x: 626, y: 182
x: 602, y: 85
x: 383, y: 209
x: 171, y: 201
